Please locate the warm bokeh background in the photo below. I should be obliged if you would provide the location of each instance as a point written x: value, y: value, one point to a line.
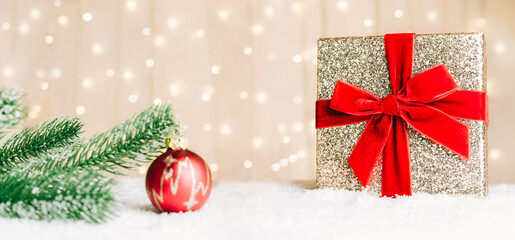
x: 241, y: 73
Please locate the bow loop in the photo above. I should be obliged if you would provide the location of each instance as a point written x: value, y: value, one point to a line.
x: 353, y: 100
x: 429, y: 86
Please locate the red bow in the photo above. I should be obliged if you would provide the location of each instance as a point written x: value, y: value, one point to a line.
x: 430, y: 102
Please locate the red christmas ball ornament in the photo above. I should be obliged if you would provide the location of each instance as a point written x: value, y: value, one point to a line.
x: 178, y: 181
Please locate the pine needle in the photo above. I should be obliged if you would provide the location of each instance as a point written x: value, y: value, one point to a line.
x: 64, y: 194
x: 11, y: 112
x: 139, y: 139
x: 38, y: 140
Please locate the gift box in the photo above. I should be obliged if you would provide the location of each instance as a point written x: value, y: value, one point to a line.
x: 402, y: 113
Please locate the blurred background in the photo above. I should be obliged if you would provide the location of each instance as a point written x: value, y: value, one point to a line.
x: 241, y: 74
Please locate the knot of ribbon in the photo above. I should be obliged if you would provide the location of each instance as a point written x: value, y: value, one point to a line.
x: 429, y: 102
x: 390, y: 105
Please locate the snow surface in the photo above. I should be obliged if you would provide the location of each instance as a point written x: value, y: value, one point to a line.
x: 266, y: 210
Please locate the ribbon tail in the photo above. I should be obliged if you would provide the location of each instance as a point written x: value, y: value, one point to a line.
x: 369, y: 147
x: 327, y: 117
x: 472, y: 105
x: 439, y: 127
x: 396, y: 176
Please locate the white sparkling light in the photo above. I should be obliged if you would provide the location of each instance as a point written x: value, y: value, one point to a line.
x: 149, y: 62
x: 36, y: 108
x: 109, y: 72
x: 499, y: 47
x: 6, y: 26
x: 215, y: 69
x: 131, y: 5
x: 286, y: 139
x: 205, y: 97
x: 283, y: 162
x: 35, y: 13
x: 146, y: 31
x: 257, y: 142
x: 296, y: 6
x: 398, y: 13
x: 244, y: 95
x: 34, y: 111
x: 8, y: 71
x: 269, y: 11
x: 495, y: 154
x: 247, y: 51
x: 87, y: 17
x: 247, y: 164
x: 96, y: 48
x: 297, y: 58
x: 159, y: 40
x: 172, y: 23
x: 63, y: 20
x: 298, y: 126
x: 367, y: 22
x: 80, y: 110
x: 157, y: 101
x: 293, y: 158
x: 33, y: 115
x: 208, y: 127
x: 87, y: 83
x: 342, y: 5
x: 225, y: 129
x: 24, y: 28
x: 56, y: 72
x: 174, y: 89
x: 223, y: 15
x: 432, y: 15
x: 200, y: 33
x: 257, y: 29
x: 213, y: 167
x: 49, y: 39
x: 261, y: 97
x: 44, y: 85
x: 297, y: 100
x: 40, y: 73
x: 133, y: 98
x: 301, y: 154
x: 275, y: 167
x: 127, y: 75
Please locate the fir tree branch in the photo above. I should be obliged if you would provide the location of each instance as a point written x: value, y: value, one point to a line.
x: 53, y: 159
x: 139, y: 139
x: 63, y: 194
x: 11, y: 112
x: 38, y: 140
x: 49, y: 173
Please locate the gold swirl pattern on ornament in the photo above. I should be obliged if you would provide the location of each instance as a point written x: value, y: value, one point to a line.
x: 174, y: 186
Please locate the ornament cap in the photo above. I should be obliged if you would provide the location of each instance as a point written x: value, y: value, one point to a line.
x: 176, y: 143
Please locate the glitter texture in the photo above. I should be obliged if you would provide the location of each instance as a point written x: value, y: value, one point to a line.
x: 361, y: 61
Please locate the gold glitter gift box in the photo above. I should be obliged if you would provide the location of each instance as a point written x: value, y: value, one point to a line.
x: 361, y: 61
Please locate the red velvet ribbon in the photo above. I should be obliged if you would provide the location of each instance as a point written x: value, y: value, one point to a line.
x: 430, y: 102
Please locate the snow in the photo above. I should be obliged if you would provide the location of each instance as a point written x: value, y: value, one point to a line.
x: 267, y: 210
